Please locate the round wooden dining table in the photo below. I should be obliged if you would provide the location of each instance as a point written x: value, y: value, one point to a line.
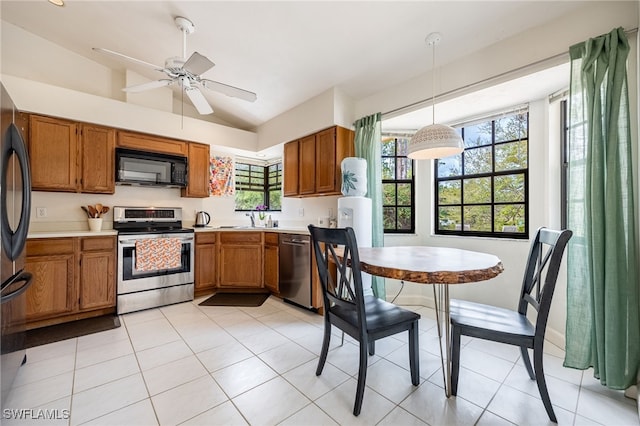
x: 441, y: 266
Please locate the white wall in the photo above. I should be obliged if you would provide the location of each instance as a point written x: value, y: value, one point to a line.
x: 529, y: 47
x: 318, y: 113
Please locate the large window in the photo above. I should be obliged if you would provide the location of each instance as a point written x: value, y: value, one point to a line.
x: 398, y: 193
x: 484, y: 190
x: 258, y: 185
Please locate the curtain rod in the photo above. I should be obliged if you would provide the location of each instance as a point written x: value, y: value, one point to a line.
x: 488, y: 116
x: 550, y: 60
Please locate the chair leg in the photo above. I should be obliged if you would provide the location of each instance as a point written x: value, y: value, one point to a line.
x: 455, y: 359
x: 414, y: 354
x: 527, y: 362
x: 325, y: 347
x: 372, y: 347
x: 541, y: 382
x: 362, y: 378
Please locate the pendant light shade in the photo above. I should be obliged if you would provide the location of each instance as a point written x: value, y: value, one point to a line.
x: 435, y: 140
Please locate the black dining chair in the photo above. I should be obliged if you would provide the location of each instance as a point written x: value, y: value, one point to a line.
x: 365, y: 318
x: 512, y: 327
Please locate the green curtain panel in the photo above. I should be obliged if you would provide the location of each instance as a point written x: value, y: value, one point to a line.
x: 368, y: 144
x: 603, y: 329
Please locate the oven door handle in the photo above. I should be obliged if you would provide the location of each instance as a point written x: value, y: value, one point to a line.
x: 130, y: 242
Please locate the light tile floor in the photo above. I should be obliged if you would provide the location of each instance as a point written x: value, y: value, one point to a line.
x: 198, y: 365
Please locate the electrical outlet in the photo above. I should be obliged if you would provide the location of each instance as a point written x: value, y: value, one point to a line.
x: 41, y: 212
x: 301, y: 212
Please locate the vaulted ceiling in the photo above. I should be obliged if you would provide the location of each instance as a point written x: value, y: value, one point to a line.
x: 286, y: 52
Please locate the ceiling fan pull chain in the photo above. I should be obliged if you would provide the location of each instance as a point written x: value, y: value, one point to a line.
x: 184, y: 44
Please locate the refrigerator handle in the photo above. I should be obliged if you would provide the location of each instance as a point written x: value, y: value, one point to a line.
x: 26, y: 277
x: 13, y: 242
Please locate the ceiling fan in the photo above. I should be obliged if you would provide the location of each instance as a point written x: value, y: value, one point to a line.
x: 186, y: 72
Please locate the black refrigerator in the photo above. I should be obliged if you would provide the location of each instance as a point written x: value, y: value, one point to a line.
x: 15, y: 208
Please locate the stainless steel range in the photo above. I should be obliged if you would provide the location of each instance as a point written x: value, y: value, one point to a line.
x: 155, y: 257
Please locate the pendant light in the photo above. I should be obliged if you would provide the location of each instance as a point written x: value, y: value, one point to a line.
x: 435, y: 140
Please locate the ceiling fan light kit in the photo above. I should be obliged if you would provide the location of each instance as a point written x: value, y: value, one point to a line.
x: 187, y: 72
x: 434, y: 140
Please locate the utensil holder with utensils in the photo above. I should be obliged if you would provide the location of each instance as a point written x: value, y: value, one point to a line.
x: 95, y: 224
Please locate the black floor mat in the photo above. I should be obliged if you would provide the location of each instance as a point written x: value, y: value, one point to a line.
x: 55, y: 333
x: 236, y: 299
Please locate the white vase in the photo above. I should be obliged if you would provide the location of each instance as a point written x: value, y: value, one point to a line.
x: 354, y: 177
x: 95, y: 224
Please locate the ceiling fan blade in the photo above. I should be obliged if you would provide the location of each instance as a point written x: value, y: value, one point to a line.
x: 229, y: 90
x: 198, y: 100
x: 136, y: 88
x: 128, y: 58
x: 198, y: 64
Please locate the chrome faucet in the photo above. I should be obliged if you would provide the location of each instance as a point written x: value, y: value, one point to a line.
x: 253, y: 219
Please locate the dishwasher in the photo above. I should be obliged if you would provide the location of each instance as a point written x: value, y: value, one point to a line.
x: 295, y: 269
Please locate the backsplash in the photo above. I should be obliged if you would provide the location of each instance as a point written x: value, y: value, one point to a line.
x: 63, y: 210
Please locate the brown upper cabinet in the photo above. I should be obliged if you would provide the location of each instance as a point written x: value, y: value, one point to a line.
x: 312, y: 163
x: 290, y: 163
x: 144, y: 142
x: 97, y: 159
x: 307, y: 166
x: 198, y: 178
x: 70, y: 157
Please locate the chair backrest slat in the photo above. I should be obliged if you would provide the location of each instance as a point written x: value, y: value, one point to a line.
x: 541, y: 273
x: 339, y: 247
x: 533, y: 302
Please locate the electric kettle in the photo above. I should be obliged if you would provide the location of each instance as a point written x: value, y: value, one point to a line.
x: 202, y: 219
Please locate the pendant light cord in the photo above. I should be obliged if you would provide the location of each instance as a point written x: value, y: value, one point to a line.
x: 433, y: 39
x: 433, y: 83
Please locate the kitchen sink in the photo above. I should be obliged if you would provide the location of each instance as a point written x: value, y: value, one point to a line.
x: 235, y: 227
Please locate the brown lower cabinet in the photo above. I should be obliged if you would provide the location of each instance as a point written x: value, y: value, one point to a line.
x: 97, y: 273
x: 242, y: 260
x: 205, y: 263
x: 73, y: 278
x: 271, y: 251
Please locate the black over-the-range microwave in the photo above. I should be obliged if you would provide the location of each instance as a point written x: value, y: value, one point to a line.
x: 150, y: 168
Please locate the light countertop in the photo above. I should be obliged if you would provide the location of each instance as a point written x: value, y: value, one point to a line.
x: 62, y: 234
x: 113, y: 232
x: 285, y: 230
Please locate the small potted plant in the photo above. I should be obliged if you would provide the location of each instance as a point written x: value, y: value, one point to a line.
x: 262, y: 215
